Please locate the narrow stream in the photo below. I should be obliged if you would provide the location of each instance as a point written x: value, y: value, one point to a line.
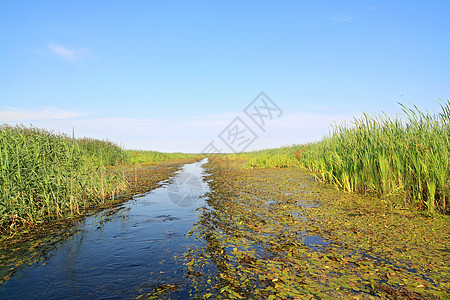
x: 123, y: 252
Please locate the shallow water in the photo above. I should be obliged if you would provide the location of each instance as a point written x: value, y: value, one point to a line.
x: 123, y: 252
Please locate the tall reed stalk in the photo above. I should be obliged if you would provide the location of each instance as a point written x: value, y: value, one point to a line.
x: 398, y: 157
x: 141, y: 156
x: 394, y: 157
x: 45, y: 175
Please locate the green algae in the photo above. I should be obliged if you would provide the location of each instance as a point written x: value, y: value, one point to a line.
x: 279, y: 234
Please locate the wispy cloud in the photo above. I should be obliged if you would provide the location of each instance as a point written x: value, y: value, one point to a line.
x: 20, y: 115
x: 66, y: 53
x: 341, y: 18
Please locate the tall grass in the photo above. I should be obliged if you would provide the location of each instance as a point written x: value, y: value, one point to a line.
x: 102, y: 152
x: 269, y: 158
x: 45, y: 175
x: 141, y: 156
x: 394, y: 157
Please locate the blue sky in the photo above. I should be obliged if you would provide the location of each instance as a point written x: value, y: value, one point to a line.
x: 172, y: 75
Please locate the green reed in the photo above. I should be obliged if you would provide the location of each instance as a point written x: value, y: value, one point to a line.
x: 269, y: 158
x: 142, y: 156
x: 102, y: 152
x: 46, y: 176
x: 406, y: 158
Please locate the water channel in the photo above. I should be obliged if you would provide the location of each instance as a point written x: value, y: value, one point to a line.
x: 123, y: 252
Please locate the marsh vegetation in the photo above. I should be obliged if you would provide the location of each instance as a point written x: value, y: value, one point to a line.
x: 361, y: 214
x: 403, y: 160
x: 277, y: 233
x: 47, y: 176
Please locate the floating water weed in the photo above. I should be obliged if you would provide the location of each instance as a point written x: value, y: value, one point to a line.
x: 395, y: 158
x: 255, y: 233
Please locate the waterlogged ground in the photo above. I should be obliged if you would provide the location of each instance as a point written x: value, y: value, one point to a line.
x: 279, y: 234
x: 258, y: 234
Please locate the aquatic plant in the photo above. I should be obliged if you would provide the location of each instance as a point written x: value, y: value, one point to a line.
x: 142, y: 156
x: 393, y: 157
x: 46, y: 175
x: 279, y: 234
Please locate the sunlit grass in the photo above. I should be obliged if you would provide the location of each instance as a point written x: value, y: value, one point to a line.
x: 141, y: 156
x: 269, y: 158
x: 102, y: 152
x: 394, y: 157
x: 45, y: 175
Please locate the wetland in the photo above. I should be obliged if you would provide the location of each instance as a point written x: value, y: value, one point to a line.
x: 362, y: 214
x: 219, y: 231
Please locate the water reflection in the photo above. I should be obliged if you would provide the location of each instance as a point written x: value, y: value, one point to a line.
x: 121, y: 252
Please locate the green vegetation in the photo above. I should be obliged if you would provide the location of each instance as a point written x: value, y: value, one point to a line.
x: 394, y: 158
x: 139, y: 156
x: 46, y: 175
x: 270, y: 158
x: 102, y: 153
x: 279, y: 234
x: 266, y: 232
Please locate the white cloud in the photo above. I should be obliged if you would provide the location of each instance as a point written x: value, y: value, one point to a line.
x: 66, y: 53
x: 20, y: 115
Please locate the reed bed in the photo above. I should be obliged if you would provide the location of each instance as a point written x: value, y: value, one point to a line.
x: 269, y: 158
x: 102, y: 152
x: 141, y: 156
x: 403, y: 158
x: 46, y: 175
